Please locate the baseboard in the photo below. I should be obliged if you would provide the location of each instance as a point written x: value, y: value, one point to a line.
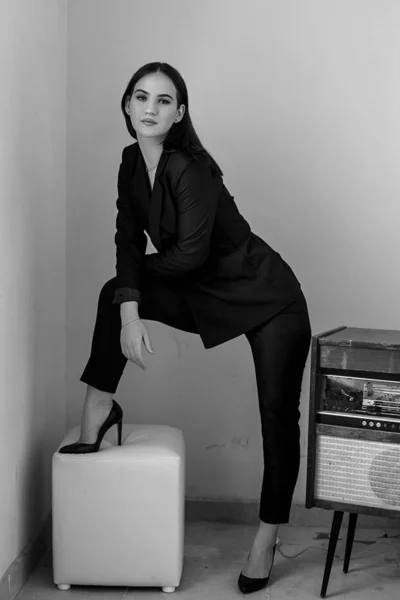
x: 195, y: 510
x: 18, y: 573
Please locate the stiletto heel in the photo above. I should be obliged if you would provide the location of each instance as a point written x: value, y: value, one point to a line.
x: 119, y: 432
x: 247, y: 585
x: 114, y: 417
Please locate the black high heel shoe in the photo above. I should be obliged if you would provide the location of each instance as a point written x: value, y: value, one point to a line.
x: 247, y: 585
x: 114, y: 418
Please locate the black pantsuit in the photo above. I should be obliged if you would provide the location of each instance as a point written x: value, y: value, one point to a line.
x: 279, y: 347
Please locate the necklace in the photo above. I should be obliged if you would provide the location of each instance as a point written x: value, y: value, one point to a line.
x: 148, y: 169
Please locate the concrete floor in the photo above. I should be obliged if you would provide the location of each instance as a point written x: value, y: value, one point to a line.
x: 216, y: 552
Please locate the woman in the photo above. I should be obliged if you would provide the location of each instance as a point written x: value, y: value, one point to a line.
x: 211, y: 276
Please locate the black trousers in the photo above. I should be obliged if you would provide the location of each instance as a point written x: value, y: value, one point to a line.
x: 279, y: 347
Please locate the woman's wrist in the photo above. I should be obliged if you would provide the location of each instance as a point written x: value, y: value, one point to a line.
x: 129, y: 310
x: 130, y: 321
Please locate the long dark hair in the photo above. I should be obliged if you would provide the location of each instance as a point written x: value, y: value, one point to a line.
x: 182, y: 136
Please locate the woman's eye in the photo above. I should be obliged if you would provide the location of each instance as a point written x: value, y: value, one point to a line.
x: 141, y: 97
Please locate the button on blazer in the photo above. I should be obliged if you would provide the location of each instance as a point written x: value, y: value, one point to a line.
x: 231, y: 279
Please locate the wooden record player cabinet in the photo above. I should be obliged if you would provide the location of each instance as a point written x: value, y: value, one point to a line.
x: 344, y: 460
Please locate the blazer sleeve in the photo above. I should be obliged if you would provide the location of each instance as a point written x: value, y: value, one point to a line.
x: 130, y: 240
x: 197, y: 194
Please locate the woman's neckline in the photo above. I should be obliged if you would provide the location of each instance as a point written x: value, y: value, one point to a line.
x: 152, y: 175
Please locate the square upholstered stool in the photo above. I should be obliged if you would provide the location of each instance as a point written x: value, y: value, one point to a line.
x: 118, y: 514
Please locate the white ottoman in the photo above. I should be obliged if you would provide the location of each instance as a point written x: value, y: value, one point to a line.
x: 118, y: 514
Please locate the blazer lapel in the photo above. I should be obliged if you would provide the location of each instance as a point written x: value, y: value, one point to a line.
x: 136, y: 183
x: 156, y: 203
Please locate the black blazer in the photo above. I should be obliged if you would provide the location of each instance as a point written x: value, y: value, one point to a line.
x: 231, y: 279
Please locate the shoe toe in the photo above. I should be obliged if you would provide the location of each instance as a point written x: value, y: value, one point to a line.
x: 76, y: 448
x: 67, y: 449
x: 247, y: 585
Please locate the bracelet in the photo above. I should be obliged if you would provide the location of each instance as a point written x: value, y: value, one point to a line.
x: 138, y: 319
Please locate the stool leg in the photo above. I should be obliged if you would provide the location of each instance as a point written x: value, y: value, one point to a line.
x: 333, y: 537
x: 63, y: 586
x: 350, y: 539
x: 168, y: 589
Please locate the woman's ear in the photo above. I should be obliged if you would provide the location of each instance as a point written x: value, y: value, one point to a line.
x: 127, y: 105
x: 180, y: 113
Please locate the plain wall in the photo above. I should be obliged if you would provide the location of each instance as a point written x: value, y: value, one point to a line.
x: 299, y: 103
x: 33, y: 267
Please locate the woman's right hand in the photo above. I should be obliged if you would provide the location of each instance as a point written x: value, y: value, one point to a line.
x: 132, y: 335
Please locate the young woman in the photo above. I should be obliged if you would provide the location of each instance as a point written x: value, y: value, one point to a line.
x: 211, y: 275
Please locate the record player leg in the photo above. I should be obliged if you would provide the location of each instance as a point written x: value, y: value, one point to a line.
x: 350, y: 538
x: 333, y: 538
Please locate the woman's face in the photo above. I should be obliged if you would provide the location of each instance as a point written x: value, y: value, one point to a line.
x: 154, y: 98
